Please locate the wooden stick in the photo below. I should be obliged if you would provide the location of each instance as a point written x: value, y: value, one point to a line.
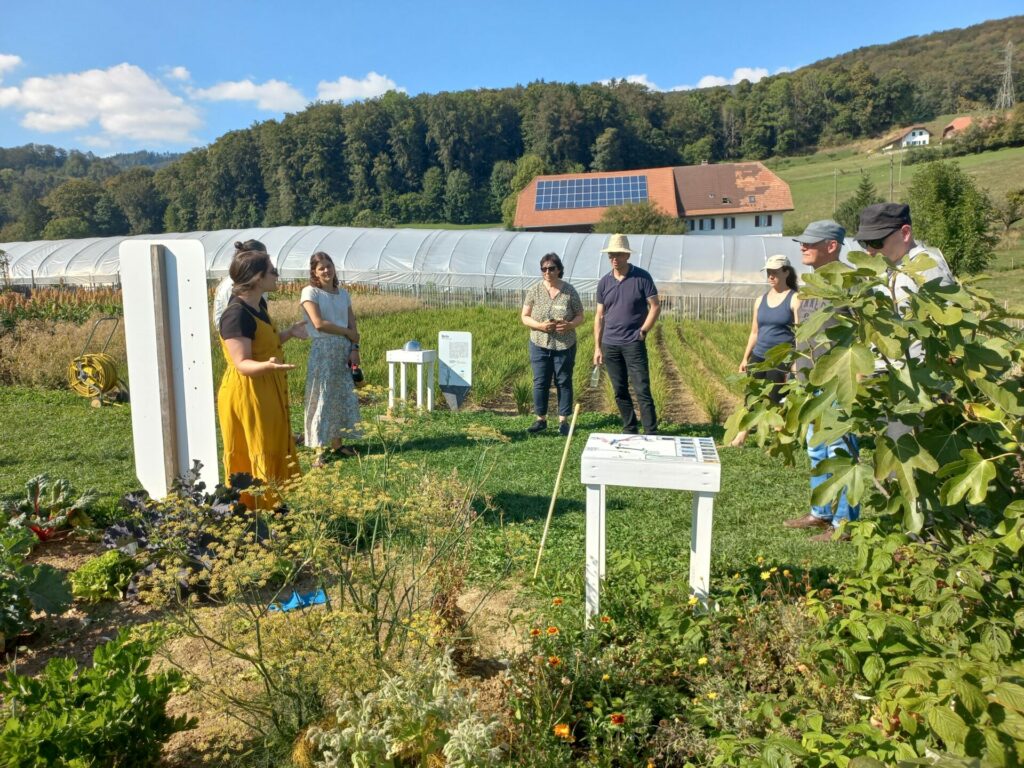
x: 558, y: 483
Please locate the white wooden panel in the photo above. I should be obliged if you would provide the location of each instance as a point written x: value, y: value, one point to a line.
x: 191, y: 360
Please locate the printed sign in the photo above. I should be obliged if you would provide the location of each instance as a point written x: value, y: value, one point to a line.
x: 455, y: 366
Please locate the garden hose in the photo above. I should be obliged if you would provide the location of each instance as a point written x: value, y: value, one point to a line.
x: 92, y: 375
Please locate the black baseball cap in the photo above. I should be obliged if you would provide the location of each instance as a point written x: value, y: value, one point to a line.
x: 882, y: 219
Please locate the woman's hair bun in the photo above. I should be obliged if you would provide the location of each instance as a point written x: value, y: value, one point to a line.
x: 238, y: 245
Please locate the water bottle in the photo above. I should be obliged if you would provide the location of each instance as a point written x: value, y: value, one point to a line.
x: 595, y: 376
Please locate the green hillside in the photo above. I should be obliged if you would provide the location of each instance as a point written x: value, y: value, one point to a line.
x: 820, y: 181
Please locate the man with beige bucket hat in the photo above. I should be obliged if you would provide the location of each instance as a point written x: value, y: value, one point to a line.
x: 627, y: 309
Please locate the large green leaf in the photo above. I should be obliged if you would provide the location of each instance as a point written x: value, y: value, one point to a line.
x: 845, y: 366
x: 1010, y: 695
x: 902, y: 459
x: 846, y: 473
x: 49, y: 590
x: 948, y: 725
x: 1007, y: 396
x: 969, y: 477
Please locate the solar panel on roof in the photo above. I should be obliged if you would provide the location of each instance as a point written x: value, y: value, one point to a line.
x: 590, y: 192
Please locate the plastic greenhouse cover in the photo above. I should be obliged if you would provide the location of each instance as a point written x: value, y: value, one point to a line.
x: 489, y: 259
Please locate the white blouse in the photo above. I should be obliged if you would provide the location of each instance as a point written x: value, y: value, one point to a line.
x: 333, y: 307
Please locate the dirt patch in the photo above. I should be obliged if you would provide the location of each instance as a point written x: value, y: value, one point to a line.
x: 726, y: 400
x: 76, y: 633
x: 682, y: 407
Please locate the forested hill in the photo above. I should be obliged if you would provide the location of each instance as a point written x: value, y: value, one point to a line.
x: 959, y: 69
x: 461, y: 156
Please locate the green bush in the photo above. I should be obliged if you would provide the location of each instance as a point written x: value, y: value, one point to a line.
x: 25, y: 588
x: 110, y: 714
x: 105, y: 577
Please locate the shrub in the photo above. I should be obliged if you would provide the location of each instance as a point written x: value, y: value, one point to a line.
x: 25, y: 588
x: 419, y: 717
x: 110, y: 714
x: 105, y: 577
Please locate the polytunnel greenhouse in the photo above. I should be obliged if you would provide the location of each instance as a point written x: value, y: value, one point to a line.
x: 490, y: 260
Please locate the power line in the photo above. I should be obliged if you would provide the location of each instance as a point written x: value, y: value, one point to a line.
x: 1007, y: 98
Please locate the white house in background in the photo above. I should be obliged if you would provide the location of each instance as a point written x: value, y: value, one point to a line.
x: 915, y: 136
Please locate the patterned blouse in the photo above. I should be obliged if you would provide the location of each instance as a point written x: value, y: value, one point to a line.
x: 565, y: 306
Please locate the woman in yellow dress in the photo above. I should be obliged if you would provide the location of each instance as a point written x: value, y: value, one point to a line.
x: 252, y: 402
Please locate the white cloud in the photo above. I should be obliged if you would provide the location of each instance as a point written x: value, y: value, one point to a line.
x: 753, y: 74
x: 179, y: 73
x: 349, y: 89
x: 273, y: 95
x: 8, y: 61
x: 638, y: 79
x: 123, y: 100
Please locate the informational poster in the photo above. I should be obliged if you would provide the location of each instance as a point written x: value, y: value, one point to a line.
x: 170, y: 366
x: 455, y: 366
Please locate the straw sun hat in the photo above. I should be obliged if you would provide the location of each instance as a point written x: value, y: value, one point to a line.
x: 617, y: 244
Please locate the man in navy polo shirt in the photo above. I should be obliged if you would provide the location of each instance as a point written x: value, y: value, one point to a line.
x: 627, y: 308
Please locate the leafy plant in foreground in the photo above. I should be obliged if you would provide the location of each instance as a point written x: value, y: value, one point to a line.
x: 105, y: 577
x: 49, y: 505
x: 110, y: 714
x: 25, y: 588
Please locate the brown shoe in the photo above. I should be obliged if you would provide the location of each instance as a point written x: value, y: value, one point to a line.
x: 807, y: 521
x: 830, y: 535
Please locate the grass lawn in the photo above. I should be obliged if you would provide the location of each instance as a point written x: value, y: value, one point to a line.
x: 58, y: 433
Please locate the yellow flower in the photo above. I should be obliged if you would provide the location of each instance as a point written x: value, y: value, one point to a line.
x: 765, y: 575
x: 736, y: 575
x: 760, y: 559
x: 588, y: 704
x: 702, y: 661
x: 693, y: 600
x: 606, y: 619
x: 562, y: 731
x: 535, y: 632
x: 786, y: 573
x: 712, y: 695
x: 605, y: 678
x: 554, y: 661
x: 552, y: 631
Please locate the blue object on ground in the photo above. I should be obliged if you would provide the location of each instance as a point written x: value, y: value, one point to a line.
x: 300, y: 601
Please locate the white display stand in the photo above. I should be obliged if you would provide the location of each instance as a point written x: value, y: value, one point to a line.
x: 419, y: 358
x: 655, y: 461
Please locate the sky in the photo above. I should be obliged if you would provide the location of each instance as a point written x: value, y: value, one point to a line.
x: 111, y: 76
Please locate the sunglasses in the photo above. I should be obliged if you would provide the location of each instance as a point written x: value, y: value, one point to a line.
x: 549, y: 269
x: 875, y: 244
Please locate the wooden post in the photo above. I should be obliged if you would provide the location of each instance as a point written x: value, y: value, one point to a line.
x: 164, y: 362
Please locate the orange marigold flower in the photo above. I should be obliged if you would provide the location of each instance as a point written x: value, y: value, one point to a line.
x: 617, y: 718
x: 557, y: 601
x: 554, y: 661
x: 562, y: 731
x: 535, y: 632
x: 605, y: 619
x: 552, y: 630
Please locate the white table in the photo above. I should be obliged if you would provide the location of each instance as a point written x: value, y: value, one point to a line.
x: 419, y: 358
x: 656, y: 461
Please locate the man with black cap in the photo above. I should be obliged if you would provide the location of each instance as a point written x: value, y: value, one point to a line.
x: 885, y: 229
x: 820, y: 244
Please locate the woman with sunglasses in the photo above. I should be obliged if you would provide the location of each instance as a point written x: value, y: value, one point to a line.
x: 774, y: 320
x: 552, y: 310
x: 252, y: 402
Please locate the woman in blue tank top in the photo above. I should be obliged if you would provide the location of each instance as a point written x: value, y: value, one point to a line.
x: 775, y: 316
